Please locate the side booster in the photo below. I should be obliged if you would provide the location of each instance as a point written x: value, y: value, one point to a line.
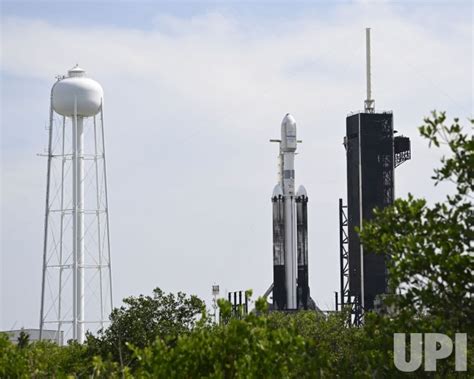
x: 290, y: 228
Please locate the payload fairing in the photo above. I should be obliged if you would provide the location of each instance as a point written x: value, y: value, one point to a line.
x: 290, y: 229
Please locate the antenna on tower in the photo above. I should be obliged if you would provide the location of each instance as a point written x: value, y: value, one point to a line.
x: 369, y: 103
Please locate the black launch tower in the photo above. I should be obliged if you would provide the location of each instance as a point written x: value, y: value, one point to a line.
x: 372, y: 153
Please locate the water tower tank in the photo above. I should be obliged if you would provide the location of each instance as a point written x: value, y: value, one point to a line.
x: 76, y: 90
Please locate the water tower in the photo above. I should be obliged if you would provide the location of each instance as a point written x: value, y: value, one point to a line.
x: 76, y: 291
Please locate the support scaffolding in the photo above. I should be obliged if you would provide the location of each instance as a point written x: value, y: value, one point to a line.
x: 347, y: 300
x: 76, y: 291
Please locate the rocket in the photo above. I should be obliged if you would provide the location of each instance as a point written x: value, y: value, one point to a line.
x: 290, y: 228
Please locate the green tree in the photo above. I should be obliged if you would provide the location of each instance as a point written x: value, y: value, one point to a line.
x: 12, y: 363
x: 143, y: 319
x: 239, y: 348
x: 23, y: 339
x: 302, y: 344
x: 45, y: 359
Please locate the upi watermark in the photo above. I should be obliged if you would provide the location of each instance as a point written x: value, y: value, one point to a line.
x: 437, y: 346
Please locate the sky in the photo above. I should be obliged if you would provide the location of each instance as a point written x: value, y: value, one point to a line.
x: 193, y: 93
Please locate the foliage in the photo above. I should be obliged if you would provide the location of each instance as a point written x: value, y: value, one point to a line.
x: 304, y: 344
x: 143, y: 319
x: 42, y: 360
x: 242, y: 348
x: 23, y: 339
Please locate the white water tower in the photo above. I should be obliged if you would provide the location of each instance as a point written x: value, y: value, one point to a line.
x: 76, y: 291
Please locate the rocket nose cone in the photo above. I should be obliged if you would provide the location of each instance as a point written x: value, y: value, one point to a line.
x: 277, y: 191
x: 301, y: 191
x: 288, y: 120
x: 288, y: 133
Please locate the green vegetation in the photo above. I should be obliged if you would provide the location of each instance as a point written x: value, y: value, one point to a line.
x: 168, y: 336
x: 142, y: 320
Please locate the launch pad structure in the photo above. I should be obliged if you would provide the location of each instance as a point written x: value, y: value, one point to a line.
x: 372, y: 152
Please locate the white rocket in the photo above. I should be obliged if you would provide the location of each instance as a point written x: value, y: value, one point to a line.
x: 290, y: 241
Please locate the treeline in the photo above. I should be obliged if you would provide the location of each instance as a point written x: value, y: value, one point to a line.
x: 269, y: 345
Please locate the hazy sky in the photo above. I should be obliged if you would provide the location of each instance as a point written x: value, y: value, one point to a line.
x: 193, y: 93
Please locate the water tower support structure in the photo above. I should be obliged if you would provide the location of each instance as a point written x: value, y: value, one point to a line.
x: 76, y: 291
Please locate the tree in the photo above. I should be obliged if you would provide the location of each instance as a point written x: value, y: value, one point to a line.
x: 430, y: 248
x: 23, y: 340
x: 142, y: 320
x: 45, y: 359
x: 239, y: 348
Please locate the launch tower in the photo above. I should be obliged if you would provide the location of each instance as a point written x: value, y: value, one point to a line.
x: 372, y: 153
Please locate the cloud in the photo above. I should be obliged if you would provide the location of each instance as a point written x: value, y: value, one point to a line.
x: 190, y: 106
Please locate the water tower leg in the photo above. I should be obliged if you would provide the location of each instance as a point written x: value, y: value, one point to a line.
x: 78, y: 227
